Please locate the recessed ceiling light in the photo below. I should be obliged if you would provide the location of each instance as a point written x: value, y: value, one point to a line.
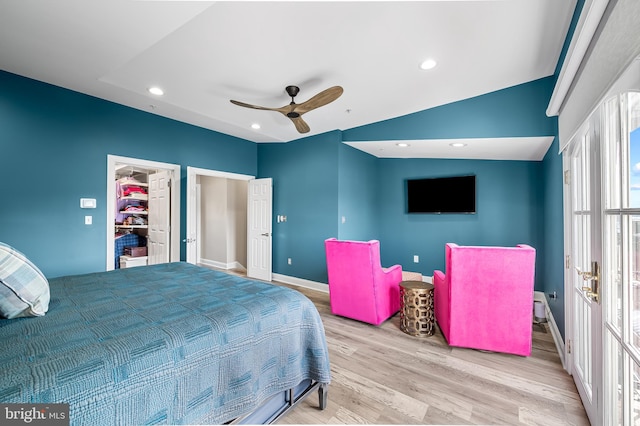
x: 156, y: 91
x: 428, y: 64
x: 457, y: 144
x: 255, y: 126
x: 402, y: 145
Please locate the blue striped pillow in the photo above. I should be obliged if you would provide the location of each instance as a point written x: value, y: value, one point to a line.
x: 24, y: 290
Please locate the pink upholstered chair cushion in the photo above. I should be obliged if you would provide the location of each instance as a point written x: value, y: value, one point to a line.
x: 359, y: 287
x: 485, y: 300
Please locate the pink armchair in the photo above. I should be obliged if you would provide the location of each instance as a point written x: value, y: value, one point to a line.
x: 359, y: 288
x: 485, y: 300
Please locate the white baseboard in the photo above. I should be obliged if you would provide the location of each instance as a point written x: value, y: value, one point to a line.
x: 222, y: 265
x: 539, y: 296
x: 313, y: 285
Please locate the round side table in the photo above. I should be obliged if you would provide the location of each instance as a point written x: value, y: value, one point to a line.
x: 416, y: 308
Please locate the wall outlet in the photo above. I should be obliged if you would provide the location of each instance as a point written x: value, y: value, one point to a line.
x: 416, y: 258
x: 88, y: 220
x: 289, y: 261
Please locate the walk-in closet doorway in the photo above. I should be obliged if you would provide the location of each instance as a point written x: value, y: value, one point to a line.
x: 143, y: 210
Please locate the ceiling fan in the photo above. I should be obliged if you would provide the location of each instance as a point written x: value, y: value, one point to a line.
x: 294, y: 111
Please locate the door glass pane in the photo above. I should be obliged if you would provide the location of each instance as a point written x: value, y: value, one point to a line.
x: 586, y: 172
x: 635, y: 281
x: 631, y: 102
x: 583, y: 343
x: 635, y: 397
x: 614, y: 403
x: 611, y: 153
x: 612, y: 270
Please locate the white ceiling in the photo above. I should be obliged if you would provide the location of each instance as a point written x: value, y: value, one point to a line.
x: 204, y: 53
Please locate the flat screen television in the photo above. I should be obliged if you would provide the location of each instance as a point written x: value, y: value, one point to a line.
x: 456, y: 194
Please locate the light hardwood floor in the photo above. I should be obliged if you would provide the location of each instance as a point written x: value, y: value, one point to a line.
x: 381, y: 375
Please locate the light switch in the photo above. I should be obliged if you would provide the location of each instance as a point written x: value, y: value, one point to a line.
x: 87, y: 203
x: 88, y: 220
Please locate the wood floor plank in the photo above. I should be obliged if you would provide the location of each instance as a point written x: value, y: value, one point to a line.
x: 384, y: 376
x: 381, y: 375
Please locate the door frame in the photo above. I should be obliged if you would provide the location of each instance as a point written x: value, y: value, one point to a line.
x: 192, y: 225
x: 115, y: 160
x: 591, y: 129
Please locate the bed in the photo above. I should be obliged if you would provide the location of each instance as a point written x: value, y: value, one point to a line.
x: 166, y: 344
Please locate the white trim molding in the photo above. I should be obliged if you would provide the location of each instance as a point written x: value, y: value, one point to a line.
x: 539, y: 296
x: 300, y: 282
x: 229, y: 266
x: 590, y: 17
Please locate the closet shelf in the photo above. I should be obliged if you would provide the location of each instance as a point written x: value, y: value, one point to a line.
x: 125, y: 182
x: 132, y: 212
x: 136, y: 196
x: 132, y: 226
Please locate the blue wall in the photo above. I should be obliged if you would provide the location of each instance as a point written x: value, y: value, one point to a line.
x: 508, y: 210
x: 359, y: 198
x: 54, y: 145
x: 516, y: 111
x: 305, y: 189
x: 553, y: 229
x: 510, y: 193
x: 53, y: 151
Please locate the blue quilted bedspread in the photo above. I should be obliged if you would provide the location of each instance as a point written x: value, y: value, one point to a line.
x: 171, y: 343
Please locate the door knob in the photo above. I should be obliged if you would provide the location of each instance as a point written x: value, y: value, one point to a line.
x: 266, y: 234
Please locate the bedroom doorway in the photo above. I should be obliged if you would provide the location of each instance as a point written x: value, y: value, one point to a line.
x: 219, y: 222
x: 150, y: 213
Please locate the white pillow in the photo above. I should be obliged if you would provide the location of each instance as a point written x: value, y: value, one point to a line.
x: 24, y: 290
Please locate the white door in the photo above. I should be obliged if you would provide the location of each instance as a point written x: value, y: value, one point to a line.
x: 259, y: 239
x: 621, y: 271
x: 605, y: 215
x: 159, y: 217
x: 192, y: 216
x: 585, y: 258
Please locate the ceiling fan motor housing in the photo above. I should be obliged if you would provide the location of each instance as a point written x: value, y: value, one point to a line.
x: 292, y: 90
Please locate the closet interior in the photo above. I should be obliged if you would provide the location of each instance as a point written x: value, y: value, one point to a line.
x: 131, y: 216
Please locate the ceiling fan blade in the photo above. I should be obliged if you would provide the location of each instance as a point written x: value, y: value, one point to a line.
x: 301, y: 125
x: 242, y: 104
x: 321, y: 99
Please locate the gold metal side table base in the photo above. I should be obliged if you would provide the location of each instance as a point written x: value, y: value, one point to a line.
x: 416, y: 308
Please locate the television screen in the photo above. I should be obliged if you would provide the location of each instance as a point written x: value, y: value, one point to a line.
x: 455, y: 194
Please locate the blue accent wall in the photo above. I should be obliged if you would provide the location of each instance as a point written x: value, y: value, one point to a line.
x: 318, y: 180
x: 305, y: 190
x: 359, y: 195
x: 512, y: 112
x: 54, y: 145
x: 553, y: 218
x: 508, y: 210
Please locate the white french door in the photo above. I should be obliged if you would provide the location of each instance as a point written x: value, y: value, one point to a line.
x: 583, y: 264
x: 621, y: 242
x: 604, y: 164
